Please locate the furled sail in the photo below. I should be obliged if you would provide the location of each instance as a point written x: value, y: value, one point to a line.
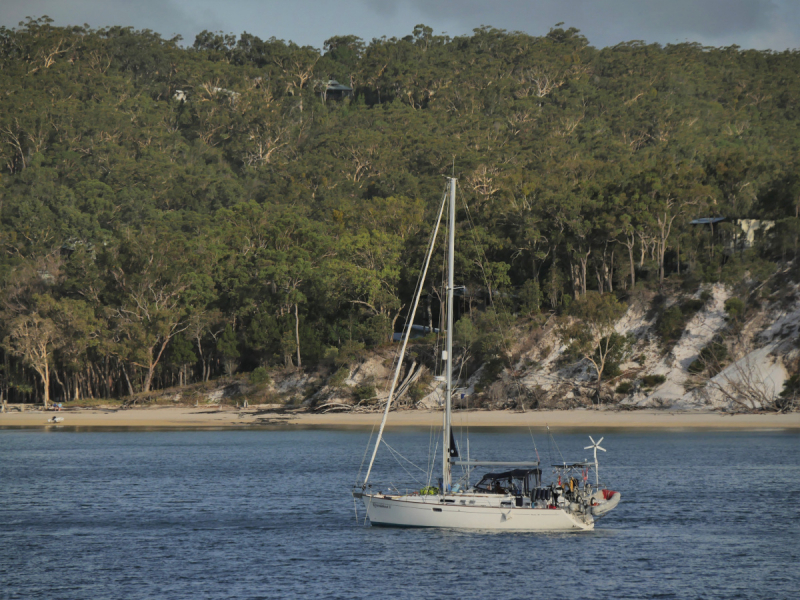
x: 453, y: 447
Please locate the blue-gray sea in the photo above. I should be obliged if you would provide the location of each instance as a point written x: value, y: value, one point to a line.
x: 268, y: 514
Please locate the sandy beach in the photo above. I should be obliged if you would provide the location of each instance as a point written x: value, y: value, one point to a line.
x: 213, y: 417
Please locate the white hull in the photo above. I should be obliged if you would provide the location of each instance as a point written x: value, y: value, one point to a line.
x: 487, y: 513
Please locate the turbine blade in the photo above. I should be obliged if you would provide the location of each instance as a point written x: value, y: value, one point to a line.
x: 591, y: 438
x: 588, y: 447
x: 600, y: 441
x: 599, y: 448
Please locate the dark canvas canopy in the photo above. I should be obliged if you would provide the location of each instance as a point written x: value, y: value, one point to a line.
x: 530, y: 479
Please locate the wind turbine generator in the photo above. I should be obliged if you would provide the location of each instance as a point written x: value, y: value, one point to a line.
x: 596, y: 446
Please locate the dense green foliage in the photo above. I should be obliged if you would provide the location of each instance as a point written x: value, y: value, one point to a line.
x: 672, y: 321
x: 212, y: 194
x: 712, y: 358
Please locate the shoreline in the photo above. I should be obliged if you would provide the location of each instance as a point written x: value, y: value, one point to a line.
x: 176, y: 418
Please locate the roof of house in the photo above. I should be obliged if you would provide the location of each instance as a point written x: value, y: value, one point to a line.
x: 335, y: 86
x: 708, y: 220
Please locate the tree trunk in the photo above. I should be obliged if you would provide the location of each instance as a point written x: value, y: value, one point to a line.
x: 89, y: 388
x: 148, y: 380
x: 202, y: 358
x: 610, y: 273
x: 297, y: 334
x: 584, y: 260
x: 64, y: 389
x: 574, y: 274
x: 46, y: 382
x: 6, y: 371
x: 394, y: 322
x: 633, y: 265
x: 430, y: 315
x: 642, y: 249
x: 128, y: 380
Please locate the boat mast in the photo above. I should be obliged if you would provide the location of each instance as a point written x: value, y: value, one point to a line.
x: 449, y: 343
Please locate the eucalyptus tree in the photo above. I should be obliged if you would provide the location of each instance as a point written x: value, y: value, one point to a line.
x: 147, y: 279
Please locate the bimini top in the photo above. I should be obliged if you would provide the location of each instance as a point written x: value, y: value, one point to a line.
x: 531, y: 478
x: 514, y: 474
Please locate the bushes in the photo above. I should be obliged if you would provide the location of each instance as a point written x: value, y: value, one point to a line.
x: 624, y: 388
x: 491, y: 371
x: 790, y: 393
x: 697, y: 367
x: 672, y: 321
x: 653, y: 380
x: 349, y: 352
x: 746, y: 267
x: 670, y: 325
x: 614, y: 347
x: 735, y: 308
x: 418, y: 390
x: 338, y: 378
x: 530, y: 298
x: 711, y: 357
x: 259, y: 376
x: 692, y: 305
x: 364, y: 392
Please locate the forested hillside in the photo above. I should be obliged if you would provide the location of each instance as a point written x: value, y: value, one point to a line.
x: 171, y: 212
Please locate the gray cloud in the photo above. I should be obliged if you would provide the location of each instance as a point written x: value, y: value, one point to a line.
x: 749, y: 23
x: 607, y: 22
x: 167, y: 17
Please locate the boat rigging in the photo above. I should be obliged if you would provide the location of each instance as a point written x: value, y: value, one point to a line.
x: 511, y: 498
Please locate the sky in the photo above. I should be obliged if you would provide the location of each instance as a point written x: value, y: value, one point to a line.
x: 760, y: 24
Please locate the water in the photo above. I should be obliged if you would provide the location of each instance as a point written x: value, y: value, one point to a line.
x: 267, y: 514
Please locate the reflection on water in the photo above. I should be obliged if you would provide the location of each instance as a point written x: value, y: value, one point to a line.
x: 267, y: 514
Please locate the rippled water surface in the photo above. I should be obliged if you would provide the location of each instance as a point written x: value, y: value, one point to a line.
x: 268, y: 514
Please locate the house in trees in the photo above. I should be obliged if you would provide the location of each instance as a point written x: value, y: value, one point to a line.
x: 738, y: 234
x: 336, y: 91
x: 750, y: 227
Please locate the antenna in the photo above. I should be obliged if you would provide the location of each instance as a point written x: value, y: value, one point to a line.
x: 595, y: 446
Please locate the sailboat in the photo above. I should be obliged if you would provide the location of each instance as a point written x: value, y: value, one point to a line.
x: 509, y: 497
